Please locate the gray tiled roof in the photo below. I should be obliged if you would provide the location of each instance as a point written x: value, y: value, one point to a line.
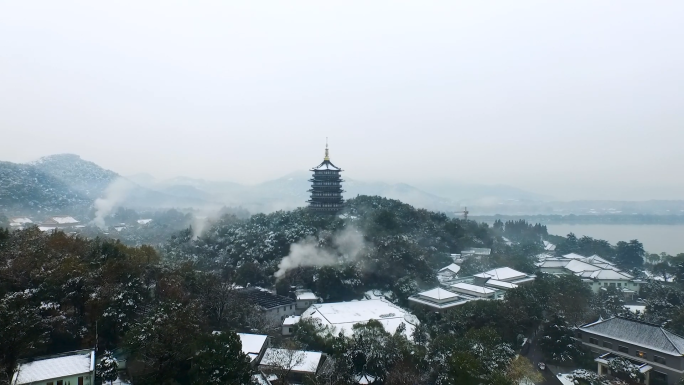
x: 264, y: 298
x: 637, y: 333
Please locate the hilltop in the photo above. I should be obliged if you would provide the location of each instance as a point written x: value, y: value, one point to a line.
x: 81, y: 175
x: 25, y: 188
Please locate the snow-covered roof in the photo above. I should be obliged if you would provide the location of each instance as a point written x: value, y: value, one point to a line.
x: 291, y: 320
x: 307, y: 364
x: 81, y: 362
x: 606, y: 274
x: 595, y: 259
x: 64, y: 220
x: 543, y: 257
x: 341, y: 316
x: 502, y: 274
x: 454, y: 268
x: 553, y: 263
x: 548, y: 246
x: 144, y: 221
x: 19, y: 221
x: 573, y: 256
x: 46, y: 228
x: 500, y: 284
x: 252, y: 343
x: 364, y: 379
x: 326, y: 165
x: 469, y: 288
x: 438, y: 293
x: 578, y: 266
x: 637, y: 333
x: 307, y: 295
x: 477, y: 251
x: 456, y: 301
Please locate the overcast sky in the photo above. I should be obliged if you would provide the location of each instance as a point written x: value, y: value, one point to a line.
x: 575, y: 100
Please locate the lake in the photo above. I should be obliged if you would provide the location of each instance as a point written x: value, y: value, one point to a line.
x: 656, y: 238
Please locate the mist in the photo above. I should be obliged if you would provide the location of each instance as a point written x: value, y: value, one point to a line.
x: 114, y: 196
x: 347, y: 246
x: 573, y: 100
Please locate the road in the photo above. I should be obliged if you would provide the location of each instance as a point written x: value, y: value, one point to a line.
x: 535, y: 355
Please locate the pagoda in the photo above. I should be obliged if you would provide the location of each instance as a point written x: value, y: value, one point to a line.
x: 326, y: 187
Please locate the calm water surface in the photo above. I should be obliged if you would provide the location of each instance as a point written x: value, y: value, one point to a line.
x: 656, y: 238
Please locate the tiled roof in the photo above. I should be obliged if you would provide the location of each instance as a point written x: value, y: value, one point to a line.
x: 264, y: 298
x: 637, y: 333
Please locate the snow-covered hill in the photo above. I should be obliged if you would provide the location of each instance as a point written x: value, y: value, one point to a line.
x: 26, y: 189
x: 81, y: 175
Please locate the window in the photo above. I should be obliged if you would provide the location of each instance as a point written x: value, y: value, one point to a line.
x: 593, y: 341
x: 623, y: 349
x: 290, y: 330
x: 290, y: 307
x: 80, y: 381
x: 659, y: 360
x: 607, y: 345
x: 619, y: 284
x: 60, y: 382
x: 641, y: 354
x: 50, y: 383
x: 605, y: 284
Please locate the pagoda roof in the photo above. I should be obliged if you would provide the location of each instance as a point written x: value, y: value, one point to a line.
x: 326, y: 165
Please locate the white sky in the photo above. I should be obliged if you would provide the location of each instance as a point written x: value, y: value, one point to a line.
x: 580, y: 99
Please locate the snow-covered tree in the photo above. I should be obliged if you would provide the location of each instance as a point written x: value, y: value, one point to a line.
x: 557, y: 340
x: 108, y: 368
x: 625, y: 370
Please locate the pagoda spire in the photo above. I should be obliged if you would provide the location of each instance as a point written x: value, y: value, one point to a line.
x: 327, y: 156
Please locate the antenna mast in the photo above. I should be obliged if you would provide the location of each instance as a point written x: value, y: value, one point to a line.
x: 465, y: 213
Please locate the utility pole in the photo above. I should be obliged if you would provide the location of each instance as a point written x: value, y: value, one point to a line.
x: 465, y: 213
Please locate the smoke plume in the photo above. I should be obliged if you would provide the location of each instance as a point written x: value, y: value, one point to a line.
x: 116, y: 192
x: 347, y: 245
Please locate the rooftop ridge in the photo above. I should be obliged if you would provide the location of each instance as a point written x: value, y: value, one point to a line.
x: 637, y: 320
x: 674, y: 345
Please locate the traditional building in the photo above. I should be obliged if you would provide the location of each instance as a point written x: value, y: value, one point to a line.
x: 656, y: 353
x: 326, y: 187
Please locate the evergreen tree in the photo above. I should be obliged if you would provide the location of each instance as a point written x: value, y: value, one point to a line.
x: 107, y: 369
x: 220, y: 360
x: 629, y: 255
x: 557, y: 341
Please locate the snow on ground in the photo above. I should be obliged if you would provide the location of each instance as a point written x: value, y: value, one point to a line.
x: 565, y: 379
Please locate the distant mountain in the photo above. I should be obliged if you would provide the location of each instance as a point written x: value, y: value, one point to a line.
x: 473, y: 193
x: 27, y: 189
x: 86, y: 177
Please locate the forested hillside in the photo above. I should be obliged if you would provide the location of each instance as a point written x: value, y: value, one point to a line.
x: 402, y: 246
x: 25, y: 189
x: 83, y: 176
